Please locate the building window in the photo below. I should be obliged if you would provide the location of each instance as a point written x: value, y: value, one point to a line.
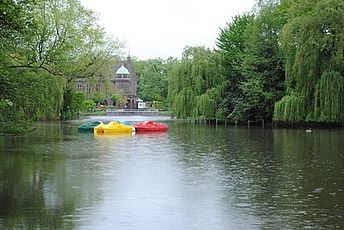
x: 121, y: 76
x: 97, y: 87
x: 79, y: 87
x: 88, y: 89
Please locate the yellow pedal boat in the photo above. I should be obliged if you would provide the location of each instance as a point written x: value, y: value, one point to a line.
x: 113, y: 127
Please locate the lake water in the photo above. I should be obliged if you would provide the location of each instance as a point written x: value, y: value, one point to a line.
x: 192, y: 177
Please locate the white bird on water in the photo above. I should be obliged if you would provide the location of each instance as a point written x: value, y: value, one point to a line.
x: 309, y: 130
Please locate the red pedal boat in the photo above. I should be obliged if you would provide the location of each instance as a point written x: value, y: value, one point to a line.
x: 150, y: 126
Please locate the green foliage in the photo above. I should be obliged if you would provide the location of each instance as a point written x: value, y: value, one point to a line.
x: 74, y: 104
x: 329, y: 98
x: 196, y: 84
x: 65, y: 41
x: 89, y: 105
x: 44, y: 45
x: 313, y: 41
x: 290, y: 108
x: 153, y: 79
x: 98, y: 97
x: 158, y: 105
x: 118, y: 97
x: 29, y: 96
x: 14, y: 18
x: 231, y: 42
x: 33, y: 93
x: 253, y: 63
x: 263, y: 64
x: 307, y: 38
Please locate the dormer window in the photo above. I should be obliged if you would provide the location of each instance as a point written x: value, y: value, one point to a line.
x: 122, y: 76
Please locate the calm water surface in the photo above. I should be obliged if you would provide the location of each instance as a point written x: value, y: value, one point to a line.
x: 193, y: 177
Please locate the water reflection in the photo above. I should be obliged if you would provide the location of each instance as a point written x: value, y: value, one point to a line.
x: 193, y: 177
x: 27, y: 166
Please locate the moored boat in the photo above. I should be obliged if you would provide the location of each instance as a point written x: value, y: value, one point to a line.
x: 113, y: 127
x: 150, y: 126
x: 89, y: 126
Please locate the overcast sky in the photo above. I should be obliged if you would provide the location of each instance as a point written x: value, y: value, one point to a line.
x: 162, y: 28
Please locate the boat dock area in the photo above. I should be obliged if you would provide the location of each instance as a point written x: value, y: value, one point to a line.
x: 133, y: 112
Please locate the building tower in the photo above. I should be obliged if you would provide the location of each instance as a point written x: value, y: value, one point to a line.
x: 125, y: 79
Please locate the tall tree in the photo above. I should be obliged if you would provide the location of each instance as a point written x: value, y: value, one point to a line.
x: 197, y: 84
x: 65, y: 40
x: 263, y: 66
x: 153, y: 79
x: 254, y: 63
x: 231, y: 44
x: 313, y: 41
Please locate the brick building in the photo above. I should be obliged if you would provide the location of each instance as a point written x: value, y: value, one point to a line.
x: 124, y: 78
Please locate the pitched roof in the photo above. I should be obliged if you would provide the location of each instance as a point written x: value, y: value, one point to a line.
x: 122, y: 70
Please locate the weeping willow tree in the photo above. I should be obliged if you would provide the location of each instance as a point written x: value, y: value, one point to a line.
x: 42, y: 98
x: 31, y: 95
x: 313, y: 41
x: 328, y: 98
x: 196, y: 84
